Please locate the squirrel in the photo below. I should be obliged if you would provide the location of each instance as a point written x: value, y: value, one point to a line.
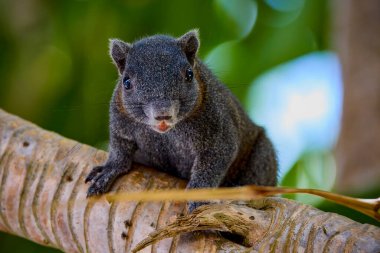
x: 169, y: 111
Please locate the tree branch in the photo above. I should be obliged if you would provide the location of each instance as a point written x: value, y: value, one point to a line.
x: 43, y: 198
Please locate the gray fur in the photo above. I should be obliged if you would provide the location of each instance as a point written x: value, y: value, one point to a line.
x: 206, y: 136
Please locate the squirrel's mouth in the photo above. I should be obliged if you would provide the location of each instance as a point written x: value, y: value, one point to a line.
x: 162, y: 127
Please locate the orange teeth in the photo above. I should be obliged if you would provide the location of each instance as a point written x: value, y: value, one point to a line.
x: 162, y: 126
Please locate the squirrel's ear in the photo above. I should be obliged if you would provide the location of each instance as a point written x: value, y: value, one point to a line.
x: 189, y: 43
x: 118, y: 52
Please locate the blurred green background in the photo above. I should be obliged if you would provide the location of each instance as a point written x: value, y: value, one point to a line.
x: 56, y: 71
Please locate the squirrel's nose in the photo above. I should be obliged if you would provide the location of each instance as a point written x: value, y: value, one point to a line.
x: 163, y: 117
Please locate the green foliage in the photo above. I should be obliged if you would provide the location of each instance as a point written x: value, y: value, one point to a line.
x: 239, y: 15
x: 314, y: 170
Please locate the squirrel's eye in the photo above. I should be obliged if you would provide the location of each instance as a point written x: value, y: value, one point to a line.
x: 127, y: 83
x: 189, y: 75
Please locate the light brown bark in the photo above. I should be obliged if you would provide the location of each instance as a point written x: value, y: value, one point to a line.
x: 42, y: 198
x: 358, y: 44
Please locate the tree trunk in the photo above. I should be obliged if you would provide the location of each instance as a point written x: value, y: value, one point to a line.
x: 43, y: 198
x: 358, y: 44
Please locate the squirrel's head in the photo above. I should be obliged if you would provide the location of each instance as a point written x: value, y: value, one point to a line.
x: 158, y: 79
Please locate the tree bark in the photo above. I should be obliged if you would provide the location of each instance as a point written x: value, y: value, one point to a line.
x: 357, y: 26
x: 43, y: 199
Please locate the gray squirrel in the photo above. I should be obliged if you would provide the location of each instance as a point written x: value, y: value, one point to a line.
x: 168, y: 111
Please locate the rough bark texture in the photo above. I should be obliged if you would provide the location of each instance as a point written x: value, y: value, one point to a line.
x: 42, y: 198
x: 358, y: 44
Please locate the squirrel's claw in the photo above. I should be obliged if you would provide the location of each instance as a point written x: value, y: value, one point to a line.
x: 102, y: 178
x: 94, y: 172
x: 101, y: 183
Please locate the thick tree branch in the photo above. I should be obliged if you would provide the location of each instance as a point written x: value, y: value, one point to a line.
x: 42, y: 198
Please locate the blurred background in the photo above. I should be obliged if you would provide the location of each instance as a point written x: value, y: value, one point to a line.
x: 284, y: 59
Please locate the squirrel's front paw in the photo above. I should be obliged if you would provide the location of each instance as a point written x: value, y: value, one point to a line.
x: 102, y: 178
x: 94, y: 172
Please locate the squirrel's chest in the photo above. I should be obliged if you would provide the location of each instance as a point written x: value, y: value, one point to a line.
x: 172, y: 155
